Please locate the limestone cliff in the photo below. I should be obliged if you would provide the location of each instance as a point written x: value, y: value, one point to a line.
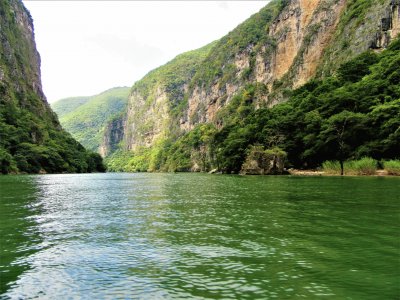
x: 155, y: 100
x: 308, y: 38
x: 113, y: 136
x: 282, y: 47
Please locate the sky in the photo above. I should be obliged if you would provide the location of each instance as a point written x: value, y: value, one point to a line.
x: 87, y: 47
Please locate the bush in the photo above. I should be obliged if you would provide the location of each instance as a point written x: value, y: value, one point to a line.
x: 7, y: 164
x: 392, y: 167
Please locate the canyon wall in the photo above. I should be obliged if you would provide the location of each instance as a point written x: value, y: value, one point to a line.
x: 282, y: 47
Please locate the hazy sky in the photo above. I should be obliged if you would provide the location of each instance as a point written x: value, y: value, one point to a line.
x: 90, y: 46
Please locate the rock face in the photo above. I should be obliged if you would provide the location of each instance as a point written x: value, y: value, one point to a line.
x: 20, y: 61
x: 282, y: 47
x: 389, y: 27
x: 154, y: 102
x: 113, y: 136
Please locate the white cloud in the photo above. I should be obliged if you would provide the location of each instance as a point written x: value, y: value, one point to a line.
x: 90, y: 46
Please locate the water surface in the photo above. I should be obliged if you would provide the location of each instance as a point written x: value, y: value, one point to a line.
x: 165, y: 236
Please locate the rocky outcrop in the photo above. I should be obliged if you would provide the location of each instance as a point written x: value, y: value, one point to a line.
x: 374, y: 29
x: 113, y: 136
x: 147, y: 118
x: 264, y: 162
x: 389, y: 27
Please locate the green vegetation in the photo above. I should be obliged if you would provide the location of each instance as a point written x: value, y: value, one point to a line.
x: 32, y: 144
x: 172, y: 75
x: 86, y: 117
x: 363, y: 166
x: 346, y: 117
x: 332, y: 167
x: 31, y: 138
x: 119, y: 161
x: 392, y: 167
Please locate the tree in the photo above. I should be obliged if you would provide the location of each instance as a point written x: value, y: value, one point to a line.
x: 340, y: 132
x: 358, y: 67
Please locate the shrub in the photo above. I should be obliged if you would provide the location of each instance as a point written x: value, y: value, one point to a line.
x: 392, y: 167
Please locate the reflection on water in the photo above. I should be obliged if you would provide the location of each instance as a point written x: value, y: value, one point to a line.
x: 199, y: 236
x: 18, y: 236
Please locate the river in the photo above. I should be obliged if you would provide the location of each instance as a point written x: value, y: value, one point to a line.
x: 163, y: 236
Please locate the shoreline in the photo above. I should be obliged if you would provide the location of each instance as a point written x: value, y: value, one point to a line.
x: 290, y: 172
x: 378, y: 173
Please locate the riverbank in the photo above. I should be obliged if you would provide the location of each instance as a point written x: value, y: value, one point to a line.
x: 296, y: 172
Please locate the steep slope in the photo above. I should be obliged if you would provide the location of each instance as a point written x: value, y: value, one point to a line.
x: 286, y: 44
x: 31, y: 138
x: 156, y: 100
x: 86, y: 117
x: 261, y: 62
x: 348, y: 116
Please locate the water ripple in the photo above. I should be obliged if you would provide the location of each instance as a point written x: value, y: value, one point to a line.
x: 163, y: 236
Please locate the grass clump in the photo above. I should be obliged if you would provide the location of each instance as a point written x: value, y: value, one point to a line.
x: 363, y: 166
x: 331, y: 167
x: 392, y: 167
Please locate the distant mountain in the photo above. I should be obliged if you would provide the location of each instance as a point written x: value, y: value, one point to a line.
x: 31, y: 138
x: 67, y: 105
x: 86, y: 117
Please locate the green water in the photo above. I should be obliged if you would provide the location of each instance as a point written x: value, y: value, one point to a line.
x: 162, y: 236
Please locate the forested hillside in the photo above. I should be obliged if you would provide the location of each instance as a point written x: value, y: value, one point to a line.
x: 86, y: 117
x: 31, y: 138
